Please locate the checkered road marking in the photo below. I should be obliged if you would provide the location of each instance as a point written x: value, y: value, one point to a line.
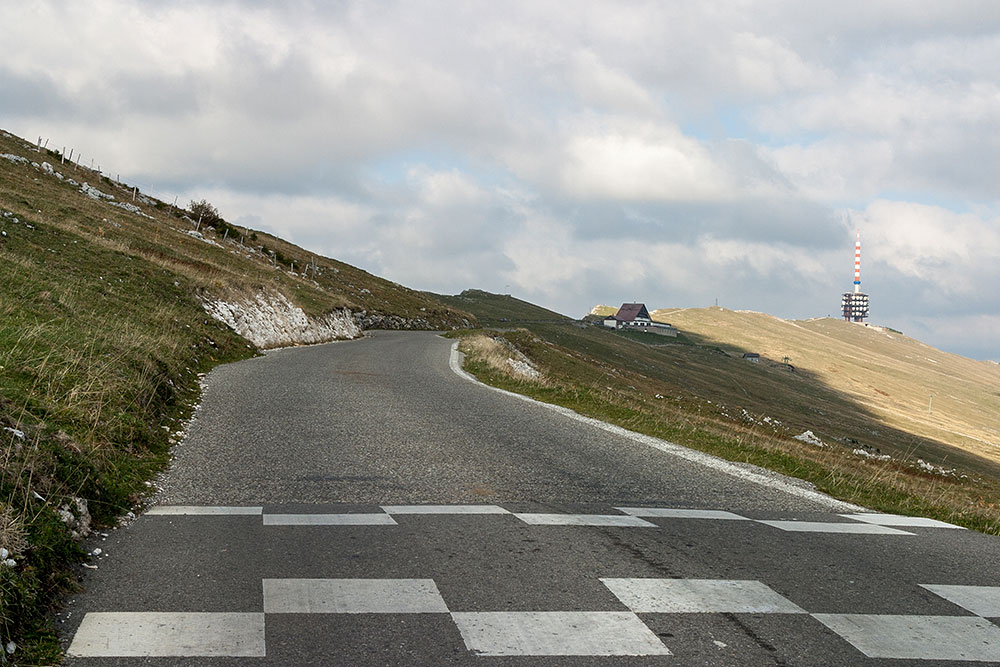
x: 629, y: 517
x: 966, y: 638
x: 542, y: 633
x: 621, y: 631
x: 352, y: 596
x: 557, y: 633
x: 169, y: 634
x: 686, y: 596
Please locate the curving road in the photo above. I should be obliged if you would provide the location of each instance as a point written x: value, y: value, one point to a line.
x: 361, y: 503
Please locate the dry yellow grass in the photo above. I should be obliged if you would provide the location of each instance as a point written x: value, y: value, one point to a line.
x: 502, y: 357
x: 904, y: 383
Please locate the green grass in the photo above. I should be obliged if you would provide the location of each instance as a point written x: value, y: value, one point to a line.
x: 651, y: 338
x: 499, y: 309
x: 98, y: 352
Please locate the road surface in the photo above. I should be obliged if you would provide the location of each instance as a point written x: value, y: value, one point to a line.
x: 360, y: 503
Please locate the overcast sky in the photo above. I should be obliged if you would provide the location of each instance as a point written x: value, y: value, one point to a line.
x: 569, y: 153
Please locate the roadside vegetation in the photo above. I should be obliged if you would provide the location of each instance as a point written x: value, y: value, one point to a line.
x: 103, y: 337
x: 698, y: 394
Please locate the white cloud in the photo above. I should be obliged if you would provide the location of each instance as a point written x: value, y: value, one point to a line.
x: 603, y: 86
x: 833, y: 170
x: 956, y: 254
x: 764, y: 67
x: 764, y: 259
x: 479, y: 144
x: 641, y: 162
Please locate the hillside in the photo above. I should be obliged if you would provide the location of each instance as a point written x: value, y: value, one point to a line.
x: 499, y: 309
x: 848, y: 383
x: 846, y: 413
x: 111, y: 305
x: 886, y: 376
x: 215, y: 261
x: 604, y: 311
x: 902, y: 382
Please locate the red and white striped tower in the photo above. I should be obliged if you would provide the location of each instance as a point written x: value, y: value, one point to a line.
x: 855, y: 304
x: 857, y: 264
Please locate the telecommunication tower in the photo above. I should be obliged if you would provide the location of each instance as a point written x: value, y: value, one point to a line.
x: 855, y: 304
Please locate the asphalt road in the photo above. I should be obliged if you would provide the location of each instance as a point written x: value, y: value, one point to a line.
x: 361, y: 504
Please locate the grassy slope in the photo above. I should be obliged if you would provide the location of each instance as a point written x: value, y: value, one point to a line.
x: 889, y: 375
x: 499, y: 309
x: 702, y: 394
x: 604, y: 311
x: 102, y: 337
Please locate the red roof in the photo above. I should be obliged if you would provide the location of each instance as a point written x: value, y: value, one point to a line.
x: 629, y: 311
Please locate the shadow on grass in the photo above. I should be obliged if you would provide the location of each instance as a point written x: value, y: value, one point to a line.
x: 796, y: 397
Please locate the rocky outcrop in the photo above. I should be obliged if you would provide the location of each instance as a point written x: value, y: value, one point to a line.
x: 373, y: 320
x: 269, y: 319
x: 376, y: 320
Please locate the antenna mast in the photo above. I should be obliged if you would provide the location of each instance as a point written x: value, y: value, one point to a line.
x: 857, y: 264
x: 855, y: 304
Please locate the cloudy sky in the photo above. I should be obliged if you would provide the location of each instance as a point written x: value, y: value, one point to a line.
x: 570, y: 153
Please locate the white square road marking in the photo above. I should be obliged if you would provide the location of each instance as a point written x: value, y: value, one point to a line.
x: 897, y: 520
x: 161, y: 634
x: 684, y: 596
x: 328, y: 520
x: 352, y: 596
x: 980, y: 600
x: 918, y: 637
x: 203, y: 510
x: 585, y: 520
x: 652, y: 512
x: 557, y: 633
x: 821, y: 527
x: 444, y: 509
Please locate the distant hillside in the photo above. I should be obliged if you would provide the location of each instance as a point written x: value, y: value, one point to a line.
x: 866, y: 415
x: 493, y: 309
x: 903, y: 382
x: 604, y: 311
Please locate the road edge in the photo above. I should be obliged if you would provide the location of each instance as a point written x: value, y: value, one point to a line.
x: 743, y: 471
